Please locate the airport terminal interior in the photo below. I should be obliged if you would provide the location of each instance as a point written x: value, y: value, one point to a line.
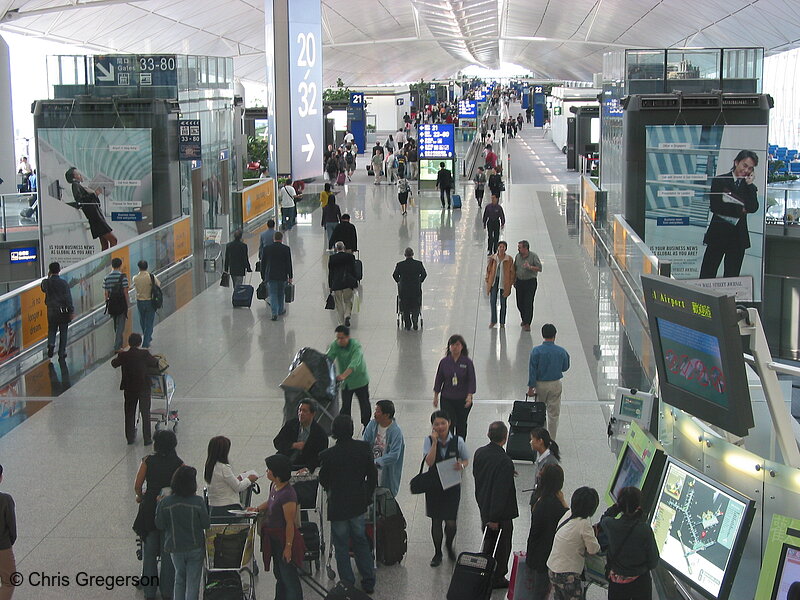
x: 644, y: 132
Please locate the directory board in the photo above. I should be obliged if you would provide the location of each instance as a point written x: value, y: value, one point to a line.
x: 437, y: 140
x: 144, y: 70
x: 467, y: 109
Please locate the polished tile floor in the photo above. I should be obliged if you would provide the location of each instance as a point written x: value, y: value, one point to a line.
x: 71, y: 472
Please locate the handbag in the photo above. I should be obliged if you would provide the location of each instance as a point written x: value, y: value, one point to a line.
x: 427, y: 481
x: 329, y: 303
x: 261, y: 291
x: 226, y: 280
x: 156, y: 294
x: 229, y: 548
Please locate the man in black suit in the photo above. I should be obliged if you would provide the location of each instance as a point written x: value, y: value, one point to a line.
x: 135, y: 386
x: 342, y: 281
x: 348, y: 474
x: 277, y: 265
x: 497, y: 497
x: 345, y: 232
x: 409, y: 275
x: 302, y: 439
x: 444, y: 181
x: 733, y: 197
x: 237, y: 259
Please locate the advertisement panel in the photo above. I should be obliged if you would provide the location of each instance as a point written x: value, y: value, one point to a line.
x: 34, y: 316
x: 258, y: 199
x: 95, y: 190
x: 182, y: 239
x: 705, y: 202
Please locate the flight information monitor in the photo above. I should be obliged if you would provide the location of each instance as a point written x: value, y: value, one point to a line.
x: 640, y: 463
x: 700, y: 526
x: 697, y: 349
x: 437, y: 140
x: 779, y: 578
x: 630, y: 472
x: 467, y: 109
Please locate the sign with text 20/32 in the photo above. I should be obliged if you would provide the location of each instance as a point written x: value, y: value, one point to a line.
x: 437, y: 140
x: 305, y: 81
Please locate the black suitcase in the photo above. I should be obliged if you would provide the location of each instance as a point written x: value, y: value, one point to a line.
x: 243, y: 295
x: 472, y: 576
x: 528, y: 414
x: 341, y: 591
x: 518, y: 446
x: 359, y: 269
x: 391, y: 540
x: 310, y: 532
x: 288, y: 294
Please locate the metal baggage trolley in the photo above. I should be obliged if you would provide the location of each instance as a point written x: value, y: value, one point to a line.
x: 400, y: 313
x: 309, y: 498
x: 231, y: 576
x: 162, y: 387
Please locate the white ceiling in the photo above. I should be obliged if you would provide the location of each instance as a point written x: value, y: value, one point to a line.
x: 383, y: 41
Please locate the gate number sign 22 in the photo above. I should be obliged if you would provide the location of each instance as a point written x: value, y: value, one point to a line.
x: 307, y: 59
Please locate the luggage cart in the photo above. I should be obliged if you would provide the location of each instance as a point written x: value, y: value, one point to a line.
x: 237, y: 577
x: 309, y: 498
x: 162, y: 387
x: 400, y: 313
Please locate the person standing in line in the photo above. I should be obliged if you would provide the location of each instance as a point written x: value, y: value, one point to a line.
x: 547, y: 508
x: 60, y: 310
x: 8, y: 537
x: 441, y: 506
x: 547, y: 453
x: 143, y: 283
x: 499, y: 281
x: 494, y: 219
x: 115, y: 286
x: 546, y: 368
x: 455, y: 382
x: 331, y: 216
x: 480, y: 183
x: 632, y: 548
x: 349, y: 358
x: 409, y: 275
x: 277, y: 265
x: 444, y: 183
x: 183, y: 518
x: 348, y: 475
x: 288, y: 198
x: 496, y: 495
x: 237, y: 259
x: 267, y: 238
x: 342, y: 282
x: 345, y: 232
x: 573, y: 540
x: 135, y: 386
x: 527, y: 267
x: 385, y: 437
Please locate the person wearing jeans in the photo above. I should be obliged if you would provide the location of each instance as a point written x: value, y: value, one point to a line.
x: 183, y: 518
x: 60, y: 309
x: 494, y: 219
x: 277, y: 269
x: 342, y: 533
x: 500, y: 275
x: 349, y: 358
x: 115, y: 286
x: 143, y: 283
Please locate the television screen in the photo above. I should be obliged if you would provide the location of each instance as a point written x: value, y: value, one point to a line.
x: 787, y: 581
x: 630, y: 473
x: 631, y: 406
x: 700, y: 527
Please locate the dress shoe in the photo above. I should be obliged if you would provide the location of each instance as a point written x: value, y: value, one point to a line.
x: 407, y: 327
x: 347, y: 321
x: 416, y: 326
x: 526, y: 327
x: 148, y: 443
x: 274, y: 317
x: 436, y: 560
x: 451, y: 554
x: 50, y: 350
x: 500, y: 584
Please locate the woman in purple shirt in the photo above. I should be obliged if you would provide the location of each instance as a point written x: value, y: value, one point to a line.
x: 455, y: 381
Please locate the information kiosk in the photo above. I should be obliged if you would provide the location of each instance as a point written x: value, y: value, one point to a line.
x: 436, y: 146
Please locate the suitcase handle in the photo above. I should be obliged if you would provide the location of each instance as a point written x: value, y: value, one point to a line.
x: 527, y: 396
x: 497, y: 542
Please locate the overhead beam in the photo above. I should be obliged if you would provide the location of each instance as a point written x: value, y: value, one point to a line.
x: 483, y: 38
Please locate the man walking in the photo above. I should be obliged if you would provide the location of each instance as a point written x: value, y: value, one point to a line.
x: 494, y: 219
x: 353, y: 376
x: 277, y: 265
x: 60, y: 310
x: 115, y: 285
x: 345, y: 232
x: 143, y: 283
x: 527, y: 266
x: 348, y: 475
x: 545, y: 372
x: 385, y: 437
x: 135, y: 386
x: 480, y: 183
x: 342, y: 281
x: 444, y: 183
x: 409, y: 275
x: 267, y: 238
x: 237, y: 259
x: 288, y: 206
x: 496, y: 495
x: 8, y: 536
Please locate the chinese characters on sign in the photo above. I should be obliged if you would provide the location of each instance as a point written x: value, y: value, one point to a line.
x: 188, y: 139
x: 437, y: 141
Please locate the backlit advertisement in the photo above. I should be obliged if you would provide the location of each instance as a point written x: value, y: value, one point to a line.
x: 705, y: 201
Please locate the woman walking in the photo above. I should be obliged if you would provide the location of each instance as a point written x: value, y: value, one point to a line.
x: 455, y: 382
x: 331, y: 216
x: 441, y: 506
x: 500, y: 276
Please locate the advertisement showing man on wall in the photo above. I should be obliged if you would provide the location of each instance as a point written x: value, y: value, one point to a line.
x: 96, y: 190
x: 705, y: 195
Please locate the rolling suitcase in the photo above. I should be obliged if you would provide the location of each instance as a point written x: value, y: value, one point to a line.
x: 310, y: 532
x: 525, y: 417
x: 340, y: 179
x: 341, y: 591
x: 472, y: 576
x: 243, y: 295
x: 456, y: 201
x: 391, y: 542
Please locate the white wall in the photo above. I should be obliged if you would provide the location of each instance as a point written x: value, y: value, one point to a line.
x: 385, y: 111
x: 781, y: 81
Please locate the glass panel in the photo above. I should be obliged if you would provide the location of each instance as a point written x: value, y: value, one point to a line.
x: 644, y: 64
x: 212, y: 70
x: 693, y: 64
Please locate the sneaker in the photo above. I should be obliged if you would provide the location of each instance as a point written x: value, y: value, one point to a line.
x: 274, y: 317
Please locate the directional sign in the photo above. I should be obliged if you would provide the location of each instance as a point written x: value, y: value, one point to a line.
x: 437, y: 141
x: 480, y: 95
x: 143, y: 70
x: 467, y: 109
x: 305, y: 85
x: 356, y: 99
x: 399, y: 101
x: 189, y: 139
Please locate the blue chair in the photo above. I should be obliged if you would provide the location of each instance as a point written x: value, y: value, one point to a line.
x: 791, y: 154
x: 794, y: 168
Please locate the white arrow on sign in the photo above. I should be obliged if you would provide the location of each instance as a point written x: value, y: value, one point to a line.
x: 308, y: 148
x: 107, y: 74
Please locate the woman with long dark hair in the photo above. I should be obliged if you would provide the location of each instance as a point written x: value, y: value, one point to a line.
x: 547, y: 453
x: 223, y: 485
x: 548, y: 506
x: 455, y: 382
x: 632, y: 549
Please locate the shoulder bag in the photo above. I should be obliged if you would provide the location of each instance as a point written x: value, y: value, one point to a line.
x: 425, y: 481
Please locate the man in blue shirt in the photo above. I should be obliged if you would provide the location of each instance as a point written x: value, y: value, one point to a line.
x: 545, y: 371
x: 385, y: 438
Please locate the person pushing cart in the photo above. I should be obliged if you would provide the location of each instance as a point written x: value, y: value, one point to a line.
x: 409, y: 275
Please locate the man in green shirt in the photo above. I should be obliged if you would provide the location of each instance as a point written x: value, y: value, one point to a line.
x: 353, y: 376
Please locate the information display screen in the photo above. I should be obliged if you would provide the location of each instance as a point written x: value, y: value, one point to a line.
x: 629, y: 474
x: 467, y: 109
x: 437, y: 140
x: 700, y: 527
x: 787, y: 582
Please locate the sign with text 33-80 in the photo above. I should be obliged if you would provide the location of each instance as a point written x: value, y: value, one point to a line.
x: 305, y: 81
x: 189, y: 144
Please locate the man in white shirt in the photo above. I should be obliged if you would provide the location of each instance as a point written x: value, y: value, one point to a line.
x: 349, y: 138
x: 288, y: 206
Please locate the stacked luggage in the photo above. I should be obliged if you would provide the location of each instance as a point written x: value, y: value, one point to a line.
x: 318, y: 383
x: 525, y: 417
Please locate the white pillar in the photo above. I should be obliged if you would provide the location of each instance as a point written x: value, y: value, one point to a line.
x: 8, y: 158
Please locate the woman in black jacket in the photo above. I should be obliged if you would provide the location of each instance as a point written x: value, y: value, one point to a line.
x: 546, y: 511
x: 632, y: 550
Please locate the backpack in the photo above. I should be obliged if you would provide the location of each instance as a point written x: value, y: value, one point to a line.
x: 156, y: 295
x: 117, y: 302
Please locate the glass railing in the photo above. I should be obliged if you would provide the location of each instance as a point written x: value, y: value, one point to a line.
x: 783, y: 204
x: 18, y: 212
